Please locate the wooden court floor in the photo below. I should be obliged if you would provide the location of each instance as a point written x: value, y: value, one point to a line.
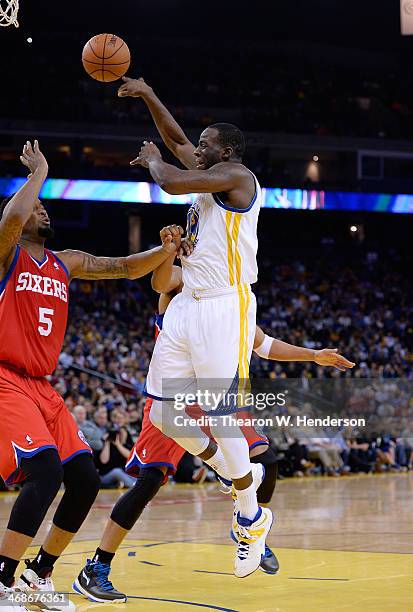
x: 344, y: 544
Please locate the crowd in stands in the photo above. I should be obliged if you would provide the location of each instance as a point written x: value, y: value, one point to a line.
x: 368, y: 316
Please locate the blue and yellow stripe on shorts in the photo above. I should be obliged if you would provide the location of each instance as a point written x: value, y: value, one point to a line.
x: 232, y: 222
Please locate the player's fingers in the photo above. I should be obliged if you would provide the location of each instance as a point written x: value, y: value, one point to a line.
x: 135, y: 161
x: 187, y: 248
x: 26, y: 156
x: 181, y: 231
x: 126, y: 79
x: 29, y: 147
x: 342, y: 364
x: 345, y: 362
x: 36, y: 146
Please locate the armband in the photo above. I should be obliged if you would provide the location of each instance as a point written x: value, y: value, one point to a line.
x: 264, y: 349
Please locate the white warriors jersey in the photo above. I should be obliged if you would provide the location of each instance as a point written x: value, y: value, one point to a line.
x: 225, y: 243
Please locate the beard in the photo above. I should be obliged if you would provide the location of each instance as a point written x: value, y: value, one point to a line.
x: 46, y: 232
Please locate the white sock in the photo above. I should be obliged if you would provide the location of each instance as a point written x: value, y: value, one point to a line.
x: 218, y: 463
x: 247, y: 502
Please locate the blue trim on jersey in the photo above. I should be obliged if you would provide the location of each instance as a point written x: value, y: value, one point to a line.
x: 258, y: 443
x: 61, y: 263
x: 157, y: 464
x: 159, y: 320
x: 79, y: 452
x: 40, y: 263
x: 135, y: 462
x: 4, y: 282
x: 231, y: 208
x: 156, y: 397
x: 26, y: 454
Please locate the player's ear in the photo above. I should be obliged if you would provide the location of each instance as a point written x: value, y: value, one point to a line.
x: 227, y: 153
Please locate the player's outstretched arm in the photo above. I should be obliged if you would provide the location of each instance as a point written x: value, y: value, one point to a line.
x: 222, y: 177
x: 170, y: 131
x: 89, y: 267
x: 20, y: 207
x: 271, y: 348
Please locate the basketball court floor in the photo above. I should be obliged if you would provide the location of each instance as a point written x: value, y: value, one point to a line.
x: 344, y: 544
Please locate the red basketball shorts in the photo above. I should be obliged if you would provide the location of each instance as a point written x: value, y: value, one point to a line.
x: 154, y: 449
x: 33, y: 417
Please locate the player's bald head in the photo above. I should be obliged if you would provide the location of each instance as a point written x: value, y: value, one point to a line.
x: 229, y: 135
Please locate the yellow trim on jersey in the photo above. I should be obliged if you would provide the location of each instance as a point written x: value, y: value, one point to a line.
x: 232, y: 226
x: 247, y: 307
x: 228, y: 219
x: 235, y: 235
x: 242, y: 317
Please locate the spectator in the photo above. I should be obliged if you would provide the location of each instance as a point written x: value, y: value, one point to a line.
x: 89, y: 428
x: 111, y: 460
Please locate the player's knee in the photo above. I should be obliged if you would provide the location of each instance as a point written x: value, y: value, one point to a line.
x: 81, y: 482
x: 266, y: 489
x: 43, y: 477
x: 131, y: 505
x: 81, y: 476
x: 45, y: 472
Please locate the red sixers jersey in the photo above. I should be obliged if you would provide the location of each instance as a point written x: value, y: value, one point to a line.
x: 33, y: 313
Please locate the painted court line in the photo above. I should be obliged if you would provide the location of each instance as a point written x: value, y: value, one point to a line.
x: 185, y: 603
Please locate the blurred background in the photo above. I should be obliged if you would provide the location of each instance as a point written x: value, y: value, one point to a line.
x: 323, y: 92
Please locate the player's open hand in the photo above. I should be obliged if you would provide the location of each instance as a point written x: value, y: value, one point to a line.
x: 171, y: 238
x: 33, y: 158
x: 149, y: 152
x: 331, y: 357
x: 134, y: 88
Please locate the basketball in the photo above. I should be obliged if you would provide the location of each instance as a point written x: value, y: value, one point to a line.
x: 106, y: 57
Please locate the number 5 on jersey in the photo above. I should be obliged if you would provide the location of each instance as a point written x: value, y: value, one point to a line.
x: 44, y: 317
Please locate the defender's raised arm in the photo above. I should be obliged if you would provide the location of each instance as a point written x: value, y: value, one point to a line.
x: 19, y: 209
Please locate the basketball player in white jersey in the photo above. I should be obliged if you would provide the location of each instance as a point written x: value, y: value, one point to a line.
x: 209, y: 328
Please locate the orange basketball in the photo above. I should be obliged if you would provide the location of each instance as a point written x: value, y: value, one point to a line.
x: 106, y: 57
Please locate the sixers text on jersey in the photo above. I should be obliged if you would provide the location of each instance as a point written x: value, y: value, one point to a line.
x: 34, y: 303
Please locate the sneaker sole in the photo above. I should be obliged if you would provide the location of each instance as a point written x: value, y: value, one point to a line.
x: 267, y: 572
x: 77, y: 587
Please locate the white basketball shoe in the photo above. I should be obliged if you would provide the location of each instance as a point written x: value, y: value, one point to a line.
x: 251, y: 535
